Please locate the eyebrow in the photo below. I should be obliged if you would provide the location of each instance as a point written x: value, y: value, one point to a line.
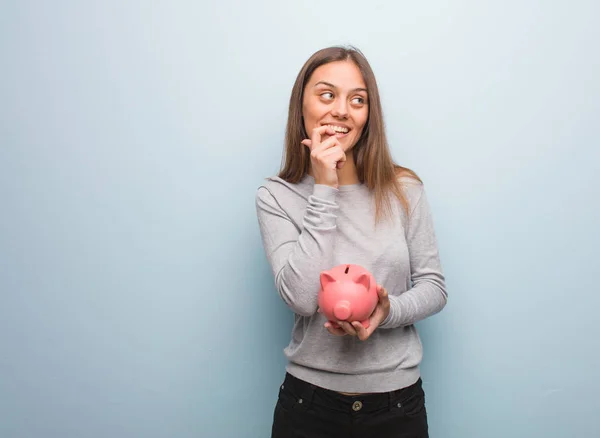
x: 333, y: 86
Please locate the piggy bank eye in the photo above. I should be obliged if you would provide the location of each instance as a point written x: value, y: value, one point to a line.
x: 347, y: 269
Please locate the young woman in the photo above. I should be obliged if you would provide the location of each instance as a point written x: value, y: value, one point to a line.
x: 340, y: 199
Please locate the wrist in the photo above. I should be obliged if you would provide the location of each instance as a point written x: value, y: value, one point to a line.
x: 323, y: 182
x: 324, y: 191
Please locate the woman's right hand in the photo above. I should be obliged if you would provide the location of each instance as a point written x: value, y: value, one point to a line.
x: 326, y: 156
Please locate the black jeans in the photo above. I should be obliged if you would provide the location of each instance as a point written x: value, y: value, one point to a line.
x: 304, y: 410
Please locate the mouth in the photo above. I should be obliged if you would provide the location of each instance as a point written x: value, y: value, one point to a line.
x: 340, y: 130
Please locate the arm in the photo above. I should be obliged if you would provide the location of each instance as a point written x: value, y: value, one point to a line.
x: 297, y: 258
x: 428, y: 294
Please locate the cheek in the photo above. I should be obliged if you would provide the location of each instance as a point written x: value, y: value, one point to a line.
x: 361, y: 123
x: 308, y: 113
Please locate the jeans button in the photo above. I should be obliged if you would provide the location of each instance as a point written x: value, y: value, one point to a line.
x: 357, y: 406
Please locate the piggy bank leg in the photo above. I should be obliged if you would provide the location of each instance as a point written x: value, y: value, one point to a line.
x: 365, y: 323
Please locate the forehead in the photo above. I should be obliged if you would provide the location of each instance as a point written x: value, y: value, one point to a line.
x: 342, y: 74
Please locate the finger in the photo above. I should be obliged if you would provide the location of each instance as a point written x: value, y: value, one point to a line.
x: 382, y: 309
x: 335, y: 151
x: 326, y: 144
x: 334, y: 331
x: 382, y: 293
x: 342, y: 160
x: 384, y: 302
x: 308, y: 143
x: 317, y: 133
x: 362, y: 333
x: 342, y: 156
x: 347, y: 327
x: 334, y: 156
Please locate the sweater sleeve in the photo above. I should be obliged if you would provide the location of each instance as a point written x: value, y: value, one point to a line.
x: 297, y: 256
x: 428, y: 295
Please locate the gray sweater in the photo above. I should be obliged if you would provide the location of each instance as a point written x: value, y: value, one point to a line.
x: 307, y: 228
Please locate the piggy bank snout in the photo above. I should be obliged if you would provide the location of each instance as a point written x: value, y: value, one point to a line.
x: 342, y: 310
x: 347, y: 293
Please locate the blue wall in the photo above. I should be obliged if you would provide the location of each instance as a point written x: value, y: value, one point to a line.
x: 135, y: 298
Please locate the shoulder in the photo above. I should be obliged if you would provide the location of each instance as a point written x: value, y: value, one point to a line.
x: 276, y: 189
x: 272, y: 182
x: 264, y: 192
x: 411, y: 185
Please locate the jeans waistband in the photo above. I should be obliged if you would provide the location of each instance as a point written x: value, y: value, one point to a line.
x: 363, y: 403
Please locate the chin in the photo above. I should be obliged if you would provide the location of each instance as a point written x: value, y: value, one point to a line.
x: 349, y: 145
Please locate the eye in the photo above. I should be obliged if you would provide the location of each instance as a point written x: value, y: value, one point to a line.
x: 327, y: 95
x: 358, y: 100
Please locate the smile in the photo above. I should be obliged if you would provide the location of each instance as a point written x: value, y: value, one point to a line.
x: 340, y: 131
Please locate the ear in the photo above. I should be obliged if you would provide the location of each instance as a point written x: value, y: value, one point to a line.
x: 326, y: 279
x: 364, y: 280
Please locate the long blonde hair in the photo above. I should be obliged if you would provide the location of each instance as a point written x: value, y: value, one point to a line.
x: 374, y: 163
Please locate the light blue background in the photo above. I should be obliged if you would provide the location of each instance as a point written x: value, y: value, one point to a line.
x: 135, y: 298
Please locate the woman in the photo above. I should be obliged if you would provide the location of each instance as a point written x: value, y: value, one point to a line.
x: 340, y: 199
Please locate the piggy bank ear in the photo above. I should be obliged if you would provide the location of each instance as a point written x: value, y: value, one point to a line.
x: 326, y: 279
x: 364, y: 280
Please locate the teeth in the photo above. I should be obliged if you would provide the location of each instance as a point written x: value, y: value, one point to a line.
x: 339, y: 129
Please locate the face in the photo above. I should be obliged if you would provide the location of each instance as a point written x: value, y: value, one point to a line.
x: 336, y: 95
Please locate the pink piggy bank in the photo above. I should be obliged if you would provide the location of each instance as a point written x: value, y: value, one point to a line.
x: 347, y: 293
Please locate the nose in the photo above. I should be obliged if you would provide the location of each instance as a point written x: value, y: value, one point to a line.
x: 342, y: 310
x: 340, y: 109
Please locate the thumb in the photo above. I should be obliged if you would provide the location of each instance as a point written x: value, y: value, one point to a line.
x: 307, y: 142
x: 381, y: 292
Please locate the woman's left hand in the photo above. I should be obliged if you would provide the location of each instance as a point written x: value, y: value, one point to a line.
x: 355, y: 328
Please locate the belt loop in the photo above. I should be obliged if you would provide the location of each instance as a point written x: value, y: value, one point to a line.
x: 391, y: 400
x: 310, y: 392
x: 307, y: 394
